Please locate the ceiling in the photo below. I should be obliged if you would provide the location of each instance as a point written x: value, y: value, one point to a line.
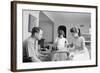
x: 68, y: 17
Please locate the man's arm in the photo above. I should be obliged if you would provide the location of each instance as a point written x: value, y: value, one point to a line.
x: 32, y: 52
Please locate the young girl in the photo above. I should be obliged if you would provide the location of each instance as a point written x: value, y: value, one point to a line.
x: 60, y: 43
x: 80, y: 52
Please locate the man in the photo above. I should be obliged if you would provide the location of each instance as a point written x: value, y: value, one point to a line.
x: 30, y: 46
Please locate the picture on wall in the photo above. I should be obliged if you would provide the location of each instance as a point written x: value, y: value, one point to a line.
x: 52, y: 36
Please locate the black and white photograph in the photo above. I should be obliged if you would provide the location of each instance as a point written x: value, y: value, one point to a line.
x: 51, y: 36
x: 56, y: 36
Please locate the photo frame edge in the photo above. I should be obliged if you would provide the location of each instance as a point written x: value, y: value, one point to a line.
x: 14, y: 35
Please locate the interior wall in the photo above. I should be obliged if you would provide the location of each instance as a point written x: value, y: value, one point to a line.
x: 26, y: 13
x: 66, y: 19
x: 69, y: 20
x: 47, y: 26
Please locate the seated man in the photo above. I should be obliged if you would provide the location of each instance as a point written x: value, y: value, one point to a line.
x: 30, y: 46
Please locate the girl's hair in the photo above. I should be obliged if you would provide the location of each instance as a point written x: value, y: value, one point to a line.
x: 75, y: 30
x: 35, y: 30
x: 61, y: 32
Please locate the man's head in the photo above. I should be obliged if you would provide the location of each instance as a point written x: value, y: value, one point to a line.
x: 37, y: 33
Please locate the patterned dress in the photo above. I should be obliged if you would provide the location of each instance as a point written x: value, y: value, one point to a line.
x: 80, y: 52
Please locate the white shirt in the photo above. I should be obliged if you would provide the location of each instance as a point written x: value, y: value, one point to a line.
x: 61, y: 43
x: 32, y: 48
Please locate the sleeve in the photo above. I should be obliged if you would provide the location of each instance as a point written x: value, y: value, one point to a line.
x: 82, y: 42
x: 66, y: 44
x: 55, y: 42
x: 31, y: 51
x: 66, y: 41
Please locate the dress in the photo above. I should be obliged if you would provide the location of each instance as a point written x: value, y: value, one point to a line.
x: 80, y: 52
x: 60, y: 54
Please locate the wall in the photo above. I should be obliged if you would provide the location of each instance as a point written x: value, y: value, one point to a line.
x: 26, y: 13
x: 41, y: 20
x: 47, y: 26
x: 69, y: 20
x: 55, y: 19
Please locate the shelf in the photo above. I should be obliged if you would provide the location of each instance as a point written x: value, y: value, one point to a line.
x: 86, y: 34
x: 88, y: 41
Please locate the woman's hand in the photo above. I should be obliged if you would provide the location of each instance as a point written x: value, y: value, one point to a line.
x: 72, y: 49
x: 71, y: 55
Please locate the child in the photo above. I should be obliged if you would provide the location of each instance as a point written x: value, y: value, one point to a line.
x: 61, y: 44
x: 80, y: 52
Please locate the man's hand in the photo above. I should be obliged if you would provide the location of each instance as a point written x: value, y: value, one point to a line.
x: 35, y: 59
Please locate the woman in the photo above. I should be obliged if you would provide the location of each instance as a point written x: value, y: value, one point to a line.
x: 60, y: 43
x: 79, y: 50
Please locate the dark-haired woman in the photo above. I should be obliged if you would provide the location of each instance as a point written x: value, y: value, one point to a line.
x: 80, y: 52
x: 61, y: 44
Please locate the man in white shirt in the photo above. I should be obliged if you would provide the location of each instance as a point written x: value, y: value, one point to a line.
x: 30, y: 46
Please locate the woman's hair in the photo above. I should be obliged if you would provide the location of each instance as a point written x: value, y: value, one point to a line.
x: 75, y: 30
x: 61, y: 32
x: 35, y: 30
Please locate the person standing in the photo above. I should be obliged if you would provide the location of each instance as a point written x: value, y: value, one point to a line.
x: 79, y: 50
x: 61, y: 44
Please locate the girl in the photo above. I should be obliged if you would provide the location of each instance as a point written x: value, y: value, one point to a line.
x: 80, y: 52
x: 60, y: 43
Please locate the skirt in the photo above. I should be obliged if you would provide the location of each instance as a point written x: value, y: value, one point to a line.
x: 59, y: 56
x: 81, y: 56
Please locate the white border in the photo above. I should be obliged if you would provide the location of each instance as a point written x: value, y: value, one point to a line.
x: 21, y: 65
